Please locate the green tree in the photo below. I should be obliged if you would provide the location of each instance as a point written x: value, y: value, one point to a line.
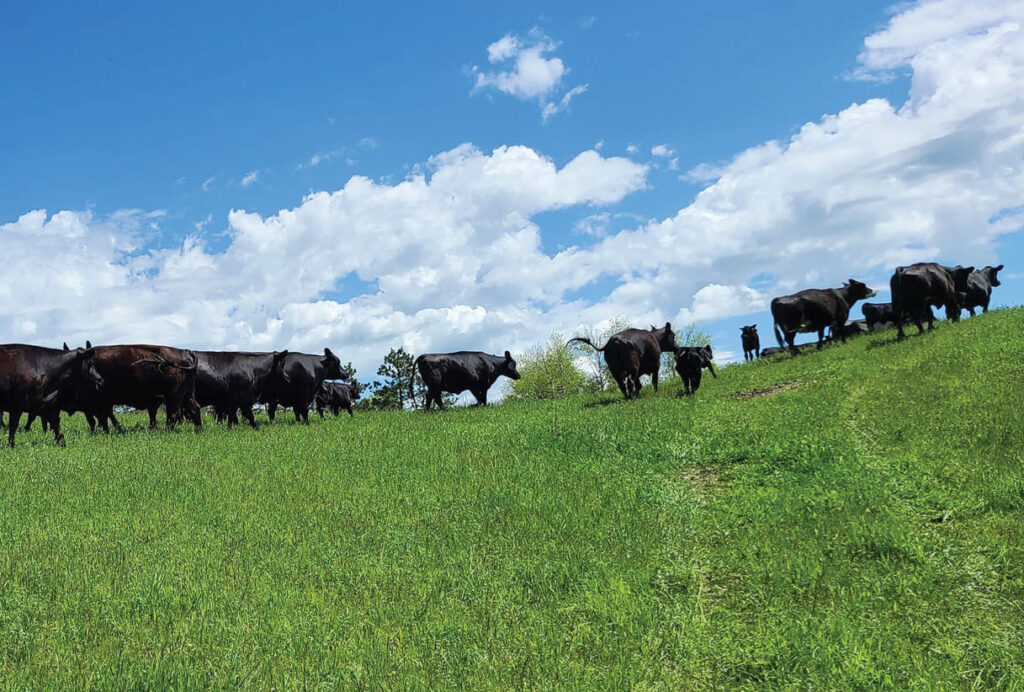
x: 595, y: 369
x: 392, y: 390
x: 548, y: 372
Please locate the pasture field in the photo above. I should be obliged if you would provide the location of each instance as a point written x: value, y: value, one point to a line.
x: 849, y: 518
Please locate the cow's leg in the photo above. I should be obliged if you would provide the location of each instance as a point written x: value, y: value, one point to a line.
x: 320, y: 410
x: 58, y: 436
x: 654, y: 379
x: 271, y: 410
x: 12, y: 427
x: 622, y: 382
x: 821, y: 338
x: 984, y: 306
x: 348, y: 407
x: 28, y: 423
x: 439, y: 399
x: 152, y: 416
x: 302, y: 414
x: 791, y: 342
x: 481, y: 397
x: 232, y: 416
x: 91, y: 420
x: 109, y: 413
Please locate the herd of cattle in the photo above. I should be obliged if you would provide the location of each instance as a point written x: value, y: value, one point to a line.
x: 915, y: 289
x: 43, y: 382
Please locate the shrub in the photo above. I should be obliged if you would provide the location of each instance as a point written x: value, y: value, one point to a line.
x: 548, y: 372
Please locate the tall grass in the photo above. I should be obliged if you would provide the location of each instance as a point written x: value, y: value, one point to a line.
x: 846, y: 518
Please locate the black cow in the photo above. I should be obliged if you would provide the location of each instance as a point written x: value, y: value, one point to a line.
x: 454, y: 373
x: 296, y: 379
x: 69, y: 403
x: 336, y: 396
x: 35, y: 379
x: 143, y: 377
x: 918, y: 287
x: 690, y: 360
x: 231, y: 381
x: 815, y: 310
x: 775, y: 350
x: 852, y: 328
x: 979, y: 287
x: 632, y: 353
x: 751, y: 342
x: 878, y: 314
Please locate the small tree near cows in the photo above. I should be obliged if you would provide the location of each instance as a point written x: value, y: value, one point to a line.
x: 549, y: 372
x: 392, y: 390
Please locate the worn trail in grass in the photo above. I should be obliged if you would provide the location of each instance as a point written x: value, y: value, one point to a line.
x: 846, y: 517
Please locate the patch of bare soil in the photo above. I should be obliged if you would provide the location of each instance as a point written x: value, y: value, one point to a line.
x: 774, y: 389
x: 701, y: 477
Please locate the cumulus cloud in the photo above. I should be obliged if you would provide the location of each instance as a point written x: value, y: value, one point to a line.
x: 452, y: 257
x: 530, y: 73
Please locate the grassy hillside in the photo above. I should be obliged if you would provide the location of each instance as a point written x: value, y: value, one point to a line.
x: 849, y: 517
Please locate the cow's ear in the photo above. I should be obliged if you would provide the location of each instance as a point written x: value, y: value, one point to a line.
x: 327, y: 352
x: 999, y: 268
x: 66, y: 346
x: 668, y: 326
x: 968, y: 270
x: 508, y: 356
x: 88, y: 344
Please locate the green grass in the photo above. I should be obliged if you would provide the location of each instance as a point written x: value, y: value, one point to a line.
x: 861, y: 524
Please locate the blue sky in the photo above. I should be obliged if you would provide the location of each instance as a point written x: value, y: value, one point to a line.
x: 148, y: 125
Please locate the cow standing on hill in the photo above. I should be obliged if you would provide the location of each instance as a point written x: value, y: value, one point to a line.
x: 689, y: 362
x: 454, y: 373
x: 143, y: 377
x: 336, y: 396
x: 232, y: 381
x: 919, y: 287
x: 751, y: 342
x: 632, y: 353
x: 815, y: 310
x: 296, y: 379
x: 978, y: 291
x: 35, y: 379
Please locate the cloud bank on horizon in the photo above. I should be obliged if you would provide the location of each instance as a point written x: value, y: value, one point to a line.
x: 453, y: 257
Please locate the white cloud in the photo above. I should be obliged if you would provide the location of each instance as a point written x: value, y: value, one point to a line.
x: 451, y: 257
x: 251, y: 177
x: 200, y: 225
x: 662, y: 151
x: 531, y: 74
x: 368, y: 143
x: 552, y: 108
x: 632, y: 148
x: 207, y: 183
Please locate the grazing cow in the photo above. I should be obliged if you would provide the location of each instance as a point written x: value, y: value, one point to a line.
x: 296, y: 379
x: 336, y: 396
x: 36, y: 380
x: 775, y: 350
x: 632, y: 353
x: 815, y: 310
x: 231, y: 381
x: 751, y: 342
x: 690, y: 360
x: 979, y: 287
x: 852, y: 328
x: 918, y: 287
x: 878, y: 314
x: 454, y: 373
x: 143, y: 377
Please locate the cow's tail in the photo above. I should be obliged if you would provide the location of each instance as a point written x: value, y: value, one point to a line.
x: 778, y: 336
x: 412, y: 380
x: 896, y: 289
x: 587, y: 342
x: 162, y: 363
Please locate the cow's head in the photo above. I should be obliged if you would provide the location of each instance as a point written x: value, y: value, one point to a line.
x: 665, y: 336
x: 508, y: 367
x: 708, y: 358
x: 355, y: 390
x: 332, y: 366
x: 82, y: 370
x: 858, y: 290
x: 959, y: 274
x: 993, y: 279
x: 749, y: 331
